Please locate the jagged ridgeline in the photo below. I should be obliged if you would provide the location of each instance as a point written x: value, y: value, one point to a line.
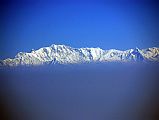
x: 62, y: 54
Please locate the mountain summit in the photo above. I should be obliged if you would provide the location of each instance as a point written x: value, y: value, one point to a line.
x: 62, y: 54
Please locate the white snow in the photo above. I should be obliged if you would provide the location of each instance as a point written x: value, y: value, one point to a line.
x: 62, y: 54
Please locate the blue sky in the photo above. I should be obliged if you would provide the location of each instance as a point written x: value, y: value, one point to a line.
x: 119, y: 24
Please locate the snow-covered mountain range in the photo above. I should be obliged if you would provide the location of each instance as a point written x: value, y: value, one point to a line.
x: 62, y: 54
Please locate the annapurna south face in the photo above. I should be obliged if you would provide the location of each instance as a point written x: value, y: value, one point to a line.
x: 62, y: 54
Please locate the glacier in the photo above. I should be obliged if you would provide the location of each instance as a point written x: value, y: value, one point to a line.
x: 62, y: 54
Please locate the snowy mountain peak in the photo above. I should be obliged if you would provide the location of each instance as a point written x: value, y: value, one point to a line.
x: 62, y: 54
x: 137, y: 55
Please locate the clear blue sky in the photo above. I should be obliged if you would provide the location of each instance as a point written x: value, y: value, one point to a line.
x: 119, y: 24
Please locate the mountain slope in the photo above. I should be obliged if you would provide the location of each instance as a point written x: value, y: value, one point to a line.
x: 61, y: 54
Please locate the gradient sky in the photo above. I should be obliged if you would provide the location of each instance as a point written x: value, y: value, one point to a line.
x: 119, y: 24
